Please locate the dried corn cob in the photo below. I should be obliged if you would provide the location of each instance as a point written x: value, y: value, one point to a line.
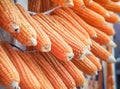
x: 95, y: 61
x: 60, y: 70
x: 110, y: 80
x: 109, y: 69
x: 9, y: 76
x: 86, y: 66
x: 94, y: 18
x: 74, y: 72
x: 9, y: 19
x: 59, y: 47
x: 79, y: 49
x: 88, y: 29
x: 78, y: 3
x: 115, y: 0
x: 44, y: 43
x: 113, y: 18
x: 36, y: 70
x: 98, y: 9
x: 72, y: 29
x: 53, y: 77
x: 34, y: 5
x: 103, y: 39
x: 101, y: 53
x: 27, y: 79
x: 112, y: 6
x: 63, y: 14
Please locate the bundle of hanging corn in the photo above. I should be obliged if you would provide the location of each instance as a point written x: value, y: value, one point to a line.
x: 68, y: 39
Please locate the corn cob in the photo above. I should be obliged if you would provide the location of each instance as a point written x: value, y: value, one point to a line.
x: 72, y: 29
x: 34, y: 5
x: 112, y: 6
x: 102, y: 1
x: 88, y: 29
x: 94, y: 18
x: 109, y: 69
x: 115, y: 0
x: 63, y: 14
x: 113, y: 18
x: 100, y: 79
x: 95, y: 61
x: 78, y: 3
x: 74, y: 72
x: 98, y: 9
x: 79, y: 49
x: 44, y: 43
x: 110, y: 80
x: 60, y: 70
x: 63, y: 2
x: 103, y: 39
x: 9, y: 76
x: 27, y: 78
x: 9, y: 19
x: 27, y: 35
x: 101, y: 53
x: 36, y: 70
x: 53, y: 77
x: 86, y: 66
x: 59, y: 47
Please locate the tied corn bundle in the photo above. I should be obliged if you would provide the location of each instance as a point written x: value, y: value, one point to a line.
x: 53, y: 77
x: 101, y: 53
x: 27, y: 78
x: 9, y: 76
x: 44, y: 43
x: 59, y: 47
x: 79, y: 49
x: 60, y: 70
x: 36, y: 70
x: 86, y: 66
x: 9, y: 19
x: 88, y: 29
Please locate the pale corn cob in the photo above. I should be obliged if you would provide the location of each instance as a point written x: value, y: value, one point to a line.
x: 27, y: 78
x: 9, y: 76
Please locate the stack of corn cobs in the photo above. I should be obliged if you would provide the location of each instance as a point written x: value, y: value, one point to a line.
x: 69, y: 41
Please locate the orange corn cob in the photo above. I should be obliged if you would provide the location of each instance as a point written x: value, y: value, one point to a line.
x: 87, y: 2
x: 53, y: 77
x: 27, y: 34
x: 98, y: 9
x: 34, y: 5
x: 9, y: 19
x: 72, y: 29
x: 115, y: 0
x: 44, y: 43
x: 100, y: 79
x: 60, y: 70
x: 74, y: 72
x: 9, y: 76
x: 86, y: 66
x: 102, y: 1
x: 109, y: 69
x: 36, y: 70
x: 95, y: 61
x: 63, y: 14
x: 112, y: 6
x: 79, y: 49
x: 59, y: 47
x: 27, y: 78
x: 94, y: 18
x: 103, y: 39
x: 78, y: 3
x: 101, y: 53
x: 88, y: 29
x: 110, y: 80
x: 113, y: 18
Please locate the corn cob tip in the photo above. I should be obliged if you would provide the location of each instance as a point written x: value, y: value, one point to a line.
x: 90, y: 42
x: 69, y: 4
x: 95, y: 36
x: 34, y: 41
x: 111, y: 59
x: 107, y: 15
x: 96, y: 73
x: 70, y: 56
x: 46, y: 48
x: 118, y: 21
x: 85, y: 52
x: 112, y: 44
x: 15, y: 28
x: 15, y: 85
x: 90, y: 2
x: 74, y: 88
x: 89, y: 47
x: 84, y: 84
